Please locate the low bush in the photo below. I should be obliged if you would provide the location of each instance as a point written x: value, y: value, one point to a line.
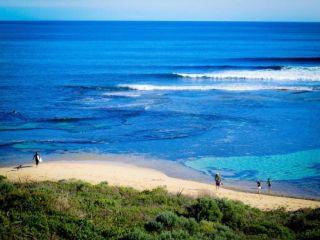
x: 136, y: 234
x: 167, y: 218
x: 153, y: 225
x: 205, y: 209
x: 78, y: 210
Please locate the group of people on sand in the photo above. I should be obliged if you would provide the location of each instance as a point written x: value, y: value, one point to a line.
x: 259, y: 185
x: 218, y: 182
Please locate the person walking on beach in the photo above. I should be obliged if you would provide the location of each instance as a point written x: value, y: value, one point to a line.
x: 36, y: 157
x: 217, y: 178
x: 259, y: 186
x: 269, y: 185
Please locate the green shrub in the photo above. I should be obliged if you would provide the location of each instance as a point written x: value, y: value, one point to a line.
x: 136, y: 234
x: 270, y: 229
x: 276, y: 231
x: 3, y: 219
x: 256, y: 229
x: 6, y: 187
x: 104, y: 183
x: 166, y: 235
x: 68, y: 227
x: 189, y: 224
x: 313, y: 214
x: 167, y: 218
x: 155, y: 196
x: 2, y: 178
x: 306, y: 222
x: 224, y: 232
x: 297, y: 221
x: 77, y: 210
x: 234, y: 214
x: 180, y: 235
x: 153, y: 225
x: 105, y: 202
x: 205, y: 209
x: 310, y: 234
x: 174, y: 235
x: 207, y: 227
x: 304, y: 219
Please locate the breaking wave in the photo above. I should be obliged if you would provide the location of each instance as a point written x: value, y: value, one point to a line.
x: 284, y: 74
x: 147, y: 87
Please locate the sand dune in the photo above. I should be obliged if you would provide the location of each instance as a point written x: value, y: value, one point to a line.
x: 140, y: 178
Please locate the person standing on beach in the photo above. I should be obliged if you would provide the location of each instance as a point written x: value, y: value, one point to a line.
x: 36, y: 157
x: 259, y: 186
x: 269, y: 185
x: 217, y: 178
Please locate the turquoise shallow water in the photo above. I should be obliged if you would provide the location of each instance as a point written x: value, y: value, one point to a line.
x: 292, y: 166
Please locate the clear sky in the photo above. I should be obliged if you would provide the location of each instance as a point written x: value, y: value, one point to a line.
x: 197, y: 10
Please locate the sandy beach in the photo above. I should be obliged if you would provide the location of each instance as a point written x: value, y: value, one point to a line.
x: 122, y: 174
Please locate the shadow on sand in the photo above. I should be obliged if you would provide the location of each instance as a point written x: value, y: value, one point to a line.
x: 20, y: 166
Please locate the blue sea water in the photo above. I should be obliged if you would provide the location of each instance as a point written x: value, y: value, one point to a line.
x: 241, y: 98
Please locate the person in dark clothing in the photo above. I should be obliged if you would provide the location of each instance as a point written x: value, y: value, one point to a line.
x: 269, y: 185
x: 36, y: 157
x: 217, y: 179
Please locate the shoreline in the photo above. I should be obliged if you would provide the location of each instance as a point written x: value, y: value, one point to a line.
x: 142, y: 178
x: 175, y: 169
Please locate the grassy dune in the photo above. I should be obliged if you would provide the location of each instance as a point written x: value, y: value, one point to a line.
x: 79, y: 210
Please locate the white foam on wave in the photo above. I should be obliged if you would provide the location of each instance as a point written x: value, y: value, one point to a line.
x: 285, y: 74
x: 121, y: 94
x: 147, y: 87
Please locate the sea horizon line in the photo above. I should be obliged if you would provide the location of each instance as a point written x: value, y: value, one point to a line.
x: 176, y: 21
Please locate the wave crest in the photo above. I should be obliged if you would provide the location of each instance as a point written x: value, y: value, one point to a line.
x: 147, y: 87
x: 284, y: 74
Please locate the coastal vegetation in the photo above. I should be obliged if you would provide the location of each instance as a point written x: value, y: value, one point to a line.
x: 78, y: 210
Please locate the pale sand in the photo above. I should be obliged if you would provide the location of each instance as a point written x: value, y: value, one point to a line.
x: 140, y: 178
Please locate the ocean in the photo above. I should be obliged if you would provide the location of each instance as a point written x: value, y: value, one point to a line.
x: 239, y: 98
